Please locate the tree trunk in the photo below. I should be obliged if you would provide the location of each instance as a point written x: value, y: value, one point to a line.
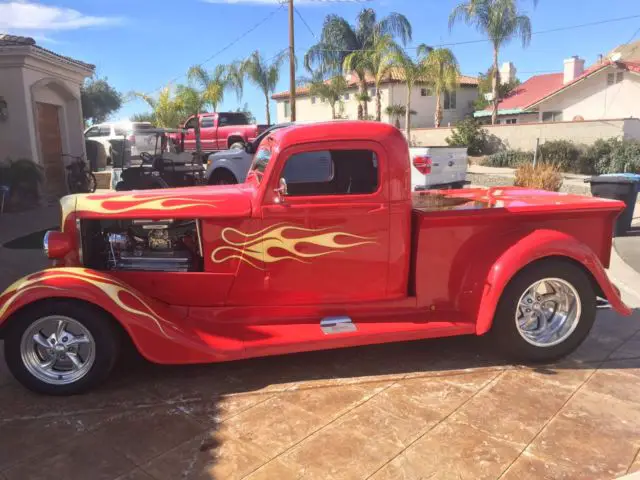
x: 360, y: 111
x: 268, y: 110
x: 438, y: 114
x: 398, y: 122
x: 378, y: 104
x: 363, y: 92
x: 494, y: 86
x: 333, y: 111
x: 408, y: 114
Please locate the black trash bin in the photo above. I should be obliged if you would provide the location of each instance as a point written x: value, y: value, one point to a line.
x: 623, y: 187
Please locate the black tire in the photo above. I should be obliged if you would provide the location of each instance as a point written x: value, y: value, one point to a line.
x: 121, y: 187
x: 222, y: 177
x: 505, y: 330
x: 457, y: 186
x: 106, y: 336
x: 236, y: 146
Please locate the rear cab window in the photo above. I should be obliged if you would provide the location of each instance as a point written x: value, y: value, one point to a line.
x: 332, y: 172
x: 225, y: 119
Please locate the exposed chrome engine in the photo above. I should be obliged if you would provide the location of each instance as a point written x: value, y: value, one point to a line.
x: 145, y: 245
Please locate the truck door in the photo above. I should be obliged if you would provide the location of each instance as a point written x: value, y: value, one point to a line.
x: 222, y: 132
x: 326, y: 239
x: 208, y: 134
x: 190, y: 134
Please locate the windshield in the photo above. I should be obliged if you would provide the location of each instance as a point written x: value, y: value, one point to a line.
x: 260, y: 162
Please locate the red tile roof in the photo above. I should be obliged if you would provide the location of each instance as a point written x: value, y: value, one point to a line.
x: 540, y: 87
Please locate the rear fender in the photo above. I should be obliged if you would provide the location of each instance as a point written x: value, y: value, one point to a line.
x: 539, y: 245
x: 154, y: 328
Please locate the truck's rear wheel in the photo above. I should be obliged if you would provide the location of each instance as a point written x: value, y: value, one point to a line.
x: 61, y: 347
x: 545, y: 312
x: 236, y: 146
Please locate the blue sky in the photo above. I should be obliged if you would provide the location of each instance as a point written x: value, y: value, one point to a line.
x: 144, y: 44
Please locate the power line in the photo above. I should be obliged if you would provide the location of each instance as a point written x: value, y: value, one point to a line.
x: 484, y: 40
x: 229, y: 45
x: 305, y: 23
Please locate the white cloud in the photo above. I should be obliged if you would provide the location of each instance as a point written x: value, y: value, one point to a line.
x: 25, y: 16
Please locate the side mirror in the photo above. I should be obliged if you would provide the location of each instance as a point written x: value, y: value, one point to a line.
x: 281, y: 191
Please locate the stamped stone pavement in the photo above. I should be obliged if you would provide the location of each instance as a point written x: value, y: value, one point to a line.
x: 438, y: 409
x: 446, y: 408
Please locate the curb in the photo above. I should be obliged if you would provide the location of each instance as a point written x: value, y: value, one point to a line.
x: 625, y: 278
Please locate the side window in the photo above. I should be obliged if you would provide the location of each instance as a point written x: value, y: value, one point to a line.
x: 191, y: 123
x: 223, y: 120
x: 105, y: 131
x: 331, y: 172
x: 92, y: 132
x: 120, y: 132
x: 449, y: 100
x: 207, y: 122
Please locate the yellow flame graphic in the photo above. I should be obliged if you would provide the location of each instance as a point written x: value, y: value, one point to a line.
x: 256, y: 245
x: 108, y: 285
x: 88, y: 203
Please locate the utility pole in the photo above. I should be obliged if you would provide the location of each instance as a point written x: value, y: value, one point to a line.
x: 292, y: 64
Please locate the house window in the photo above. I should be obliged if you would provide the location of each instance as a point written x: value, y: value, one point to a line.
x: 424, y: 92
x: 373, y: 92
x: 449, y: 100
x: 346, y: 96
x: 331, y: 172
x: 551, y: 116
x: 287, y: 109
x: 610, y: 78
x: 313, y: 100
x: 323, y: 100
x: 511, y: 121
x: 619, y: 77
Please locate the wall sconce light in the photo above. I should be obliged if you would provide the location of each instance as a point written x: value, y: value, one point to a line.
x: 4, y: 110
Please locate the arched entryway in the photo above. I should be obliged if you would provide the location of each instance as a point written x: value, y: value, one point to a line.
x: 53, y: 103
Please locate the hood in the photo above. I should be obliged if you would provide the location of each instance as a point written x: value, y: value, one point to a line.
x: 191, y: 202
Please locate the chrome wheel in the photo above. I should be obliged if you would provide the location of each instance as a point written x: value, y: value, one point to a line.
x: 548, y: 312
x: 57, y: 350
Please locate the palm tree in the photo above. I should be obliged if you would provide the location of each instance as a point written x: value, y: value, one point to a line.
x: 331, y: 91
x: 263, y: 75
x: 213, y: 84
x: 501, y: 22
x: 339, y: 39
x: 413, y: 71
x: 442, y: 74
x: 395, y: 112
x: 376, y: 61
x: 192, y: 102
x: 167, y: 111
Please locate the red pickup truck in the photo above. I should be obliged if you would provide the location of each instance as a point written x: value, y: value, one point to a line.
x: 219, y: 131
x: 325, y: 246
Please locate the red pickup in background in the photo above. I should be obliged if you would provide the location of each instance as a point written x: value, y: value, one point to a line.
x: 219, y: 131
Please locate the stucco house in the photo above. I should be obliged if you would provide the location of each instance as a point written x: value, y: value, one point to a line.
x: 40, y: 109
x: 608, y: 89
x: 456, y: 105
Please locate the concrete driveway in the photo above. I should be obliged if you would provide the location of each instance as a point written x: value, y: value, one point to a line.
x: 431, y: 409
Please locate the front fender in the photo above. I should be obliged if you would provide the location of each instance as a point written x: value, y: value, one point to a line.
x: 154, y: 327
x: 536, y: 246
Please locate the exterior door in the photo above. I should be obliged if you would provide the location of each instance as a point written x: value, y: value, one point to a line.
x: 208, y: 134
x: 55, y: 184
x: 190, y: 134
x: 327, y: 239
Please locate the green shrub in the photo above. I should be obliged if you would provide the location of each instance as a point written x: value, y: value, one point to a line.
x: 565, y: 155
x: 614, y: 156
x: 469, y: 133
x: 509, y: 158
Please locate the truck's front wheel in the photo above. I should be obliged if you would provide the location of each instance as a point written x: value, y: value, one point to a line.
x: 545, y: 312
x: 61, y: 347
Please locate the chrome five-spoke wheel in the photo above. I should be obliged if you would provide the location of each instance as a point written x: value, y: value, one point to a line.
x: 546, y: 311
x: 57, y: 350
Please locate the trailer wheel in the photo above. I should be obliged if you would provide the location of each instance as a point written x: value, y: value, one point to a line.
x: 545, y: 312
x: 61, y: 347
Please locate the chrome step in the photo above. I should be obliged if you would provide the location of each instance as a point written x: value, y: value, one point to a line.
x: 338, y: 324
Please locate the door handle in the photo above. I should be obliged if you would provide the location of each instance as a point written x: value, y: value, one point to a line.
x: 435, y: 164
